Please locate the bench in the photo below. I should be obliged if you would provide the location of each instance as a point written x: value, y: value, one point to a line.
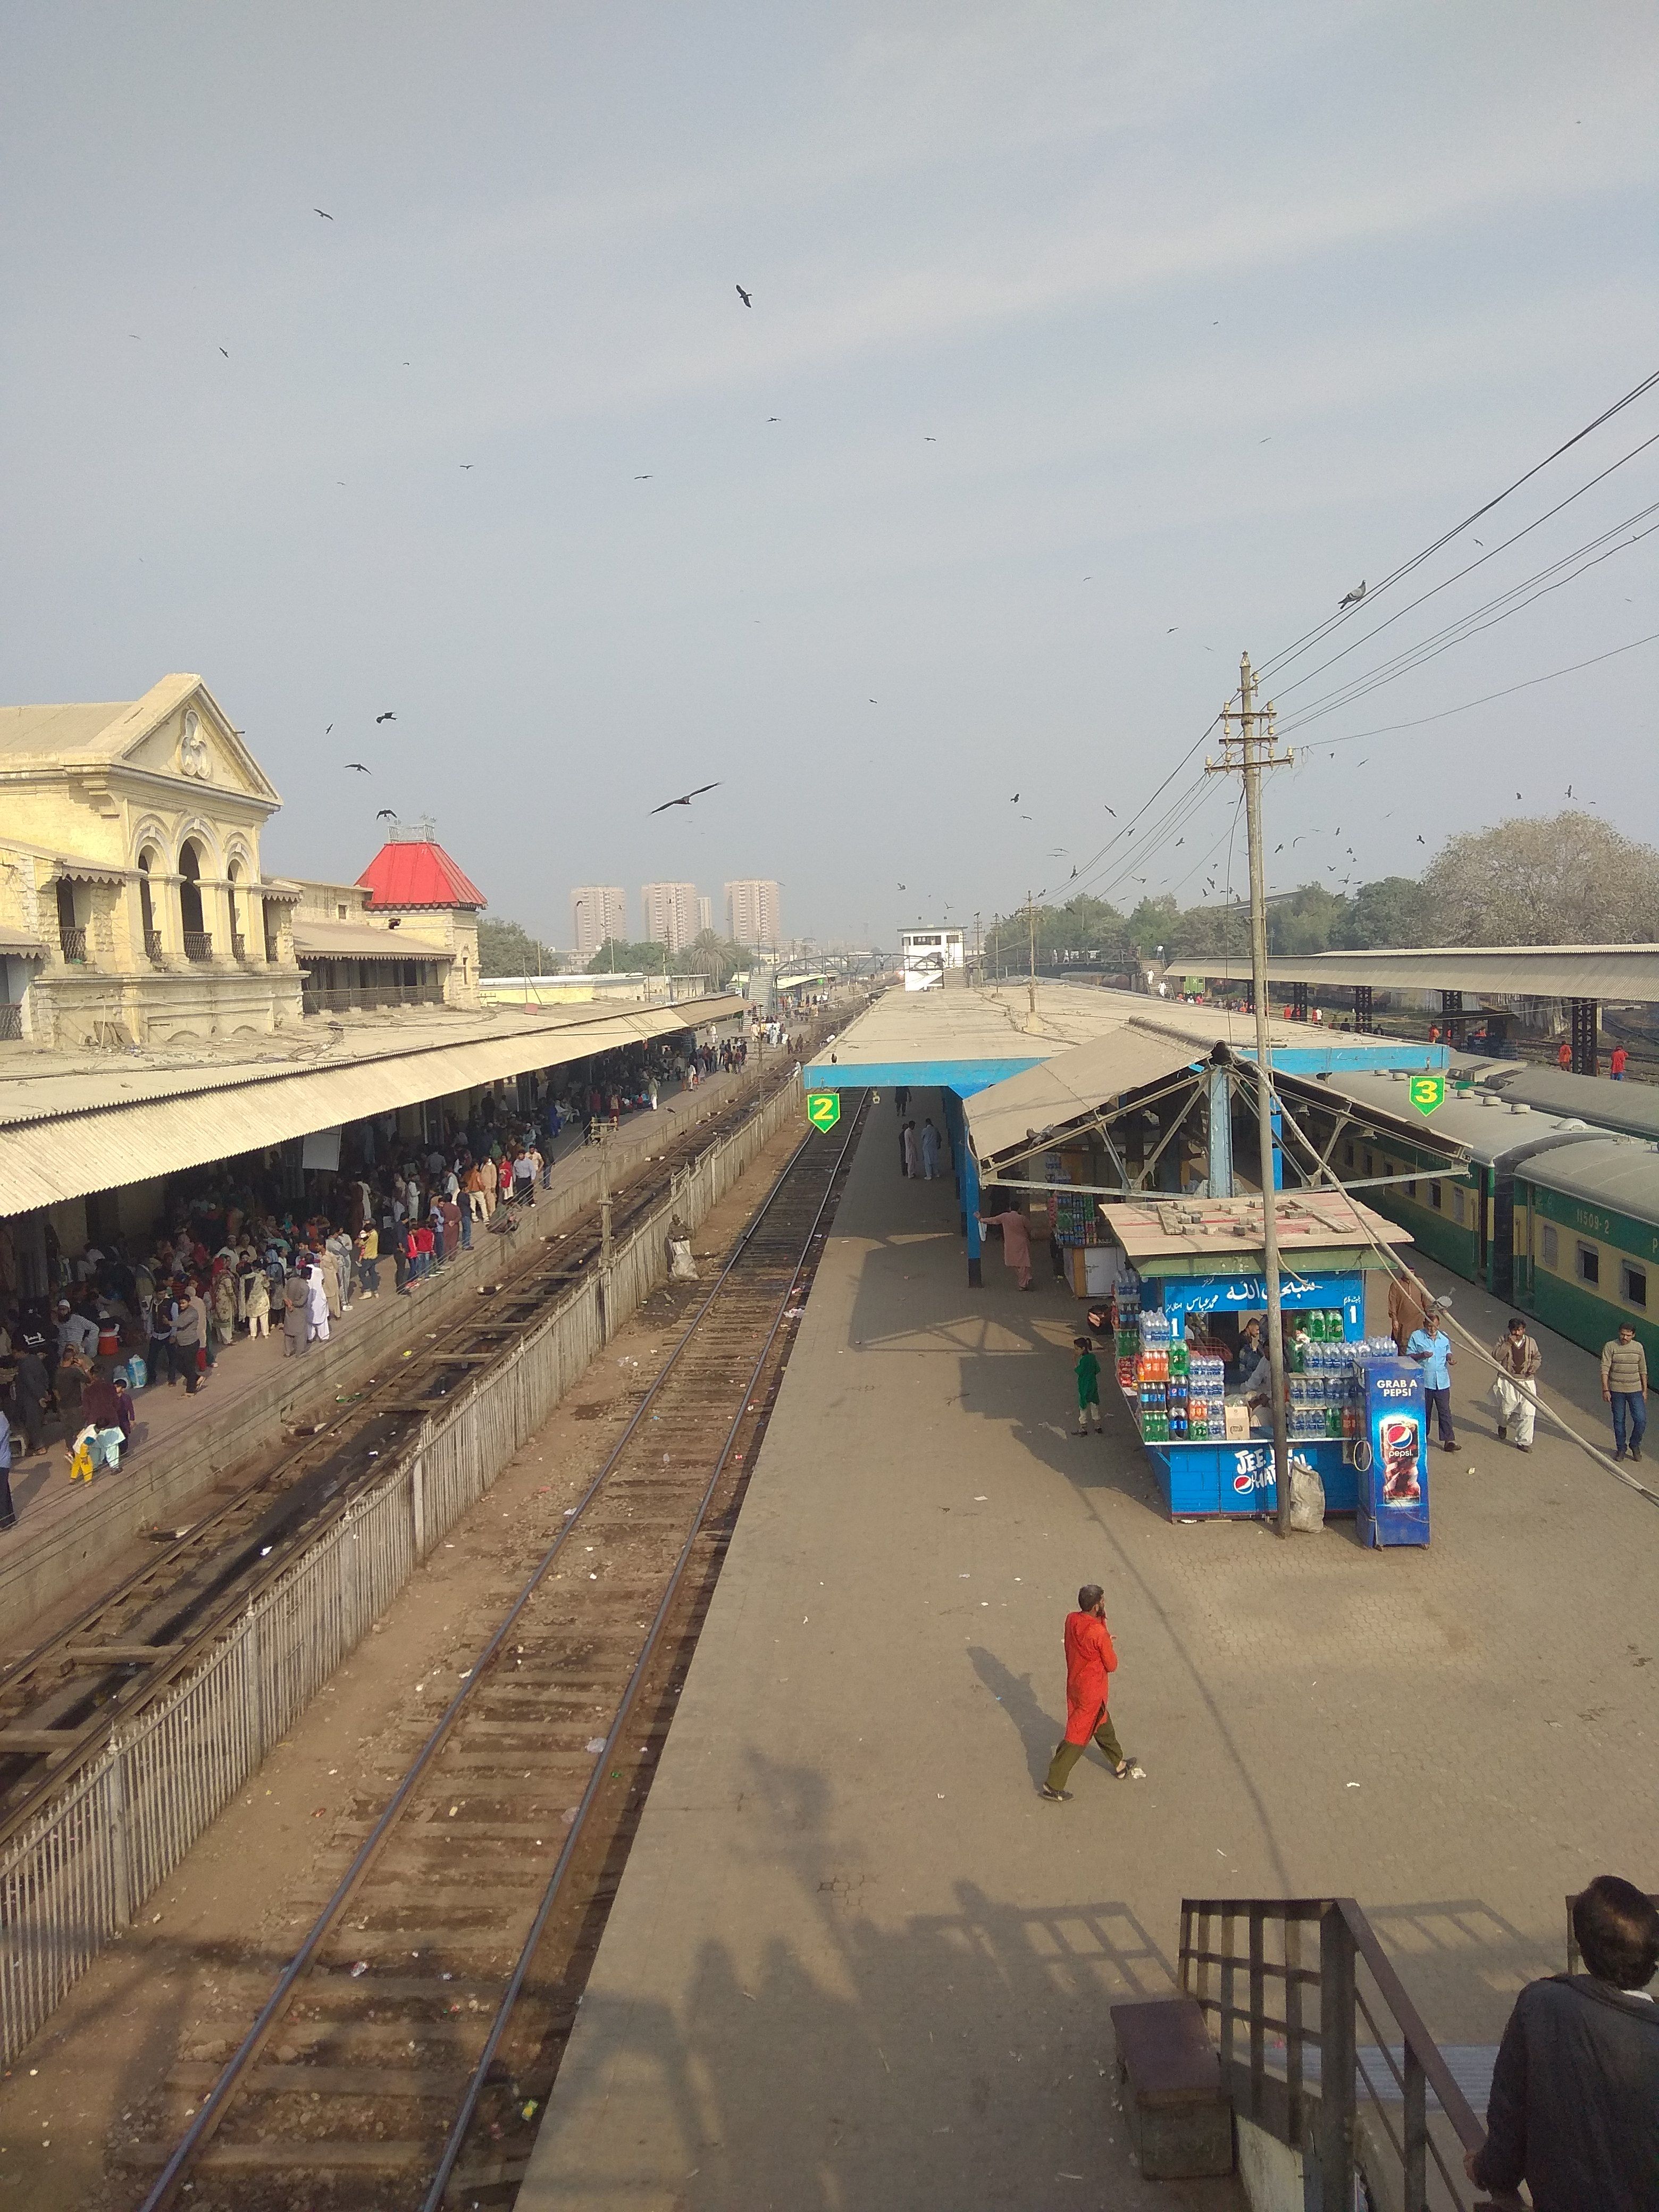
x: 1180, y: 2121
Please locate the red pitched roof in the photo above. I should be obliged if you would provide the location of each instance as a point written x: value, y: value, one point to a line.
x: 417, y: 874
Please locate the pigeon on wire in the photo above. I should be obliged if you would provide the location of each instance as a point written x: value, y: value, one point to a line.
x: 1351, y: 598
x: 686, y: 798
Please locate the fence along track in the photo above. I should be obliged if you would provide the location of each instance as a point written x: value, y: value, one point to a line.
x: 381, y: 2103
x: 80, y: 1868
x: 58, y: 1704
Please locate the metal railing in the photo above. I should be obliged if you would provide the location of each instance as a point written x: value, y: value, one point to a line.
x: 238, y: 946
x: 354, y: 998
x: 72, y: 943
x: 1387, y: 2113
x: 11, y: 1024
x: 198, y: 944
x: 154, y: 948
x: 79, y: 1870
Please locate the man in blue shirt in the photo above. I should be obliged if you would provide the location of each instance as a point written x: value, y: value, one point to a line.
x: 1431, y: 1347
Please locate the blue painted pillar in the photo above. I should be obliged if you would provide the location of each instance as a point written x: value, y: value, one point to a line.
x: 1220, y: 1134
x: 1279, y: 1147
x: 970, y: 1216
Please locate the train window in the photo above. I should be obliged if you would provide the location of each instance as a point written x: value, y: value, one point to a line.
x: 1371, y: 1164
x: 1434, y: 1196
x: 1551, y: 1246
x: 1589, y: 1264
x: 1634, y: 1288
x: 1457, y: 1204
x: 1347, y: 1155
x: 1410, y: 1189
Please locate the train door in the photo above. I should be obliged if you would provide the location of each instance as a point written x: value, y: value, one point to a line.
x: 1501, y: 1279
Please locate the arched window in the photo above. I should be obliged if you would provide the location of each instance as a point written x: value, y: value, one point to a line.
x: 199, y: 945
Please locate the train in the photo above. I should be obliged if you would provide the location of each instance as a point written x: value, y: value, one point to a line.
x: 1557, y: 1209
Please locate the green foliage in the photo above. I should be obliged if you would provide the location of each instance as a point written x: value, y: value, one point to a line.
x: 616, y: 957
x: 1393, y: 910
x: 1567, y: 880
x: 507, y: 948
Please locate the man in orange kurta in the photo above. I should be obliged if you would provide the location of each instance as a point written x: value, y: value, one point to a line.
x: 1090, y: 1662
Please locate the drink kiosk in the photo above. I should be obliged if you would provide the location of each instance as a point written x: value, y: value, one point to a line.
x: 1189, y: 1313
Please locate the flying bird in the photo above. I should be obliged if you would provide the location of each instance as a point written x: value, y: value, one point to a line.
x: 1014, y: 801
x: 1351, y: 598
x: 387, y: 717
x: 324, y: 214
x: 1112, y: 810
x: 222, y: 350
x: 1171, y: 630
x: 1422, y: 839
x: 360, y: 767
x: 386, y: 814
x: 646, y: 478
x: 745, y: 297
x: 927, y: 440
x: 900, y: 886
x: 461, y: 465
x: 1569, y: 791
x: 686, y: 798
x: 1517, y: 794
x: 774, y: 418
x: 326, y: 733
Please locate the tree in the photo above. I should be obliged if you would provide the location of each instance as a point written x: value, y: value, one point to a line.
x: 1568, y: 880
x: 1393, y: 910
x: 717, y: 957
x: 649, y: 956
x: 507, y: 948
x: 1152, y: 923
x: 1303, y: 922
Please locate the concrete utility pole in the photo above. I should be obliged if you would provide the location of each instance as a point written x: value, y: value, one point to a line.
x: 1031, y: 929
x: 1253, y: 744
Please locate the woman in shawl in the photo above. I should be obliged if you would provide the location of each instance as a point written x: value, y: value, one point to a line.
x: 224, y: 1303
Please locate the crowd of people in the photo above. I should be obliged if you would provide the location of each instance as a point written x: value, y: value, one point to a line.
x: 233, y: 1261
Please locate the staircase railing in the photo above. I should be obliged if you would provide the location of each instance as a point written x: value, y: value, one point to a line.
x: 1286, y: 1985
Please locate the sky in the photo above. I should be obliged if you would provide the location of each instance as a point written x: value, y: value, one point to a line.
x: 1090, y: 345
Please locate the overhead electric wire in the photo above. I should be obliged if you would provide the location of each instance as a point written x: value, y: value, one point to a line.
x: 1471, y: 624
x: 1470, y: 567
x: 1389, y: 729
x: 1310, y: 638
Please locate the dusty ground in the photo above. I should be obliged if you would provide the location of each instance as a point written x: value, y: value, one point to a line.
x: 227, y: 1922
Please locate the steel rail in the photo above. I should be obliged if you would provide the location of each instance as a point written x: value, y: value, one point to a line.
x: 475, y: 2088
x: 227, y: 1604
x: 164, y: 2191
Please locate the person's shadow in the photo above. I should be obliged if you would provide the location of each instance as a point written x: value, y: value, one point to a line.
x: 1038, y: 1731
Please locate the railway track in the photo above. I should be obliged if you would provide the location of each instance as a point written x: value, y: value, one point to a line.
x: 59, y: 1702
x: 409, y: 2045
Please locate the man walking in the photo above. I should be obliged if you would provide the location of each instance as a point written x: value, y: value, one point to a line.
x: 1625, y: 1387
x: 1431, y: 1347
x: 1518, y: 1362
x: 1091, y: 1661
x: 1574, y: 2110
x: 1617, y: 1065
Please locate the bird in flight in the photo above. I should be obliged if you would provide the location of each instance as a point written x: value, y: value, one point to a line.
x: 1351, y: 598
x: 686, y: 798
x: 1569, y: 791
x: 461, y: 465
x: 875, y: 703
x: 1422, y: 839
x: 927, y: 440
x: 222, y: 350
x: 387, y: 717
x: 646, y: 478
x: 324, y: 214
x: 745, y: 297
x: 386, y: 814
x: 774, y: 418
x: 1517, y: 794
x: 360, y: 767
x: 326, y: 733
x: 1014, y: 801
x: 1112, y: 810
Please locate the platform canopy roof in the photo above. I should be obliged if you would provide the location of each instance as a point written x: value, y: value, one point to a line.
x: 71, y: 1124
x: 1319, y: 1231
x: 1538, y: 971
x: 358, y: 940
x: 1076, y: 1090
x: 967, y: 1038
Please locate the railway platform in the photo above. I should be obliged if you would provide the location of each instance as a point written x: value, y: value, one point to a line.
x: 68, y: 1537
x: 854, y: 1961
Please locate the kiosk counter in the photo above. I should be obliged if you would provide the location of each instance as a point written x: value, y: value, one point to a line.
x: 1189, y: 1312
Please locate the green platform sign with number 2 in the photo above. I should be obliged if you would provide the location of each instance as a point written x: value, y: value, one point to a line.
x: 823, y: 1108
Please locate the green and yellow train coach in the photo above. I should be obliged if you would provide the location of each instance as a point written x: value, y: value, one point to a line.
x: 1587, y: 1241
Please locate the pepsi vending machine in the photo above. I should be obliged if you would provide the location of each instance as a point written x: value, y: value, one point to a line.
x: 1393, y: 1489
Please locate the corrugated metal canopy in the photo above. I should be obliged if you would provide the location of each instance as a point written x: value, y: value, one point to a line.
x: 20, y: 941
x: 1632, y: 1108
x: 1540, y: 971
x: 100, y: 1145
x: 1070, y: 1090
x: 356, y: 940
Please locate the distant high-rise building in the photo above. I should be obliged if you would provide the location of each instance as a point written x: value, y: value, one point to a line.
x: 597, y: 911
x: 705, y: 914
x: 669, y: 913
x: 752, y: 913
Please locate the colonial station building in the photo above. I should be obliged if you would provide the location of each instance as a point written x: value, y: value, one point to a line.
x: 135, y: 910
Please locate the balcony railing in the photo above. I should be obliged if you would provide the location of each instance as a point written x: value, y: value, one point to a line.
x: 11, y: 1024
x: 238, y: 946
x: 356, y: 998
x: 198, y: 944
x: 72, y: 942
x: 153, y: 949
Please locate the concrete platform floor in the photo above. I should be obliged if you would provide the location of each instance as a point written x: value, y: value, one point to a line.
x: 856, y: 1963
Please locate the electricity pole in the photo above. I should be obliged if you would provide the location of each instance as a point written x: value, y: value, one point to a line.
x: 1030, y: 930
x: 1247, y: 753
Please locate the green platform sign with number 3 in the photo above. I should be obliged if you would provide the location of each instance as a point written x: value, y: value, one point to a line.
x: 823, y: 1108
x: 1427, y: 1091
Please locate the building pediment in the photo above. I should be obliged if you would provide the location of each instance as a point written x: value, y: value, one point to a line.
x: 180, y: 731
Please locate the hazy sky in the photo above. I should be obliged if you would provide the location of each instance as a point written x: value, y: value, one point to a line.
x: 1104, y: 341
